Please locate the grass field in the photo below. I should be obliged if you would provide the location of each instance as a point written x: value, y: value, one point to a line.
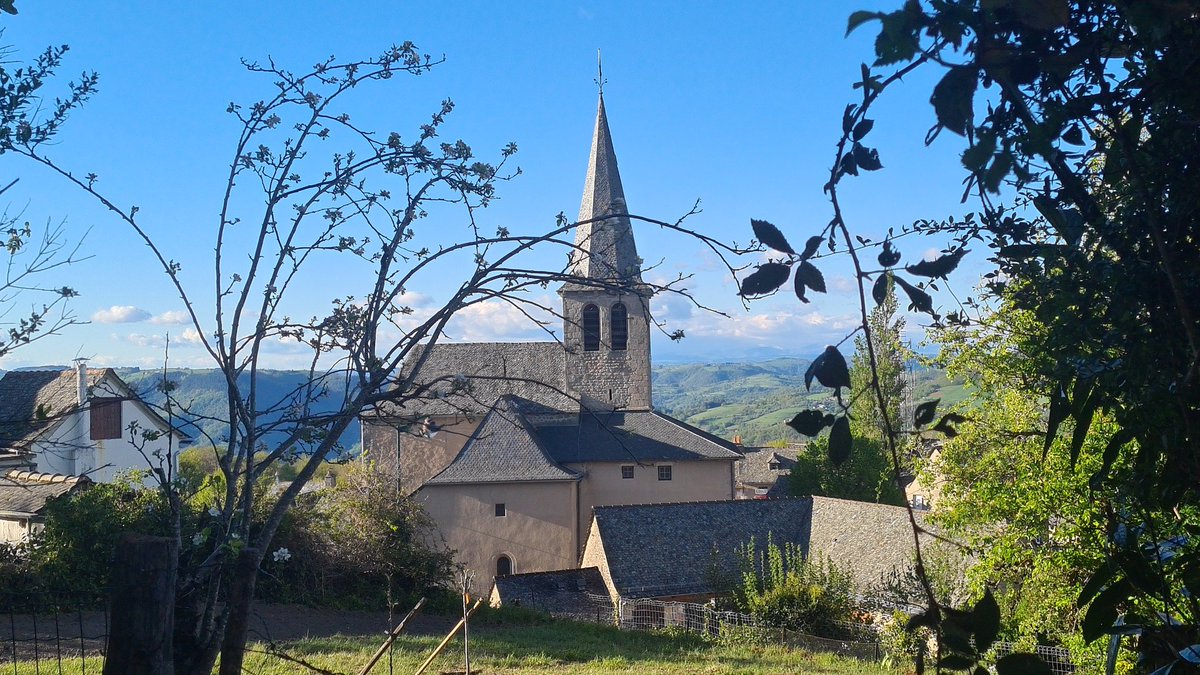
x: 541, y: 647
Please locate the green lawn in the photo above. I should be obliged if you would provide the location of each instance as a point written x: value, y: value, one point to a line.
x: 551, y: 647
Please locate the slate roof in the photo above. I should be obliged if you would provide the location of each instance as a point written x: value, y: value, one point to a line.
x: 23, y: 392
x: 536, y: 371
x: 26, y: 492
x: 661, y: 550
x: 503, y: 449
x: 564, y: 591
x: 754, y: 469
x: 630, y: 436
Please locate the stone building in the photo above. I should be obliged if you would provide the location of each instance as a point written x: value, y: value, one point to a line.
x: 530, y: 437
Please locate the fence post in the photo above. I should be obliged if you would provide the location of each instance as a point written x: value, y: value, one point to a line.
x: 142, y: 605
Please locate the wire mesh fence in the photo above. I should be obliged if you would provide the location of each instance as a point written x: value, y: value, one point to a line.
x: 1059, y: 659
x: 51, y: 632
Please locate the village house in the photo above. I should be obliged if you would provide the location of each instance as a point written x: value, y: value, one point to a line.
x: 763, y: 472
x: 531, y: 437
x: 23, y: 499
x: 77, y: 422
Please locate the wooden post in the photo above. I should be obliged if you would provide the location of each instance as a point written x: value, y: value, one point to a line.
x: 449, y: 637
x: 391, y: 638
x: 142, y: 606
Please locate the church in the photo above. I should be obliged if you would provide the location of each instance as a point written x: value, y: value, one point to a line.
x: 535, y: 435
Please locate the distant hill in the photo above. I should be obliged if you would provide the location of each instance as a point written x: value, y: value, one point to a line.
x: 202, y: 392
x: 751, y: 399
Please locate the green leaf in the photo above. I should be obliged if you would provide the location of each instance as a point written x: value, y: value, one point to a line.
x: 862, y: 129
x: 954, y: 98
x: 889, y: 256
x: 766, y: 279
x: 1022, y: 664
x: 1060, y: 408
x: 771, y: 236
x: 918, y: 299
x: 938, y: 267
x: 859, y: 18
x: 840, y: 441
x: 1093, y: 585
x: 879, y: 290
x: 810, y: 422
x: 811, y: 246
x: 987, y: 621
x: 924, y: 413
x: 811, y: 276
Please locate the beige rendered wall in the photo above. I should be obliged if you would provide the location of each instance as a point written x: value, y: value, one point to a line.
x: 691, y: 481
x: 537, y: 532
x: 421, y: 458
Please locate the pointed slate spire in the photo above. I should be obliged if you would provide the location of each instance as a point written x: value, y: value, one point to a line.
x: 605, y: 250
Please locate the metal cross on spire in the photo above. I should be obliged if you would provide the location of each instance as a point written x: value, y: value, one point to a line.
x: 600, y: 81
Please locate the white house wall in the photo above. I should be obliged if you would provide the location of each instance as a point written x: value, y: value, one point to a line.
x: 70, y: 450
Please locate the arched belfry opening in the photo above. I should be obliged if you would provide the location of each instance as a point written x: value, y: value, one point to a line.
x: 591, y: 328
x: 618, y: 327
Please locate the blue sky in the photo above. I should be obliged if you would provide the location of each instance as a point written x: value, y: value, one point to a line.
x: 735, y: 104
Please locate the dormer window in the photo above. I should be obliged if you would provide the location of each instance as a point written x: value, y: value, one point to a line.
x: 591, y: 328
x: 618, y: 326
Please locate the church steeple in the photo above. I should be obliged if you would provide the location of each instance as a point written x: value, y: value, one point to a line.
x: 604, y: 248
x: 606, y: 314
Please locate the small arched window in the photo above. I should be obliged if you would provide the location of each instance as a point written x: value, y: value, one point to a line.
x: 591, y: 328
x: 503, y: 566
x: 618, y: 327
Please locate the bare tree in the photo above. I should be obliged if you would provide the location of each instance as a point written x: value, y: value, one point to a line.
x: 381, y: 205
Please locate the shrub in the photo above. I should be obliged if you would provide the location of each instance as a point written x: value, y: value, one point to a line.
x: 781, y: 587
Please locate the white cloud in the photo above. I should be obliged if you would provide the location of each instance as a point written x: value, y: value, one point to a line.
x: 172, y: 318
x: 120, y: 314
x: 190, y: 335
x: 931, y: 254
x: 491, y: 321
x: 142, y: 340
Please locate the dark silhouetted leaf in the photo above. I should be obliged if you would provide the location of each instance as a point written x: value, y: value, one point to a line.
x: 771, y: 236
x: 859, y: 18
x: 1060, y: 408
x: 1073, y: 135
x: 1099, y: 578
x: 987, y: 621
x: 810, y: 276
x: 766, y: 279
x: 811, y: 246
x: 849, y: 165
x: 919, y: 299
x: 832, y: 371
x: 953, y: 98
x: 879, y: 290
x: 1020, y: 663
x: 862, y: 129
x: 848, y: 118
x: 946, y: 425
x: 924, y: 413
x: 866, y: 158
x: 1111, y: 450
x: 810, y: 422
x: 1102, y: 613
x: 840, y: 441
x: 1083, y: 414
x: 938, y: 267
x: 927, y: 619
x: 889, y: 256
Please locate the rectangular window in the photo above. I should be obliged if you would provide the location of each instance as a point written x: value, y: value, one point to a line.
x: 627, y: 472
x: 664, y: 473
x: 501, y: 511
x: 106, y: 418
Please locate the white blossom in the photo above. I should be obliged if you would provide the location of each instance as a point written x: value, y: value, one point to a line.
x: 282, y: 555
x: 214, y: 511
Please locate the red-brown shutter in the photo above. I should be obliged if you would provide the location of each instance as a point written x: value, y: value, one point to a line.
x: 106, y: 418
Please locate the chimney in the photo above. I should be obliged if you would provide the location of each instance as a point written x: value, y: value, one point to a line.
x: 330, y: 480
x: 81, y: 381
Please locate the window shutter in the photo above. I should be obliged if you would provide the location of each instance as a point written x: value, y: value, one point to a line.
x: 106, y: 418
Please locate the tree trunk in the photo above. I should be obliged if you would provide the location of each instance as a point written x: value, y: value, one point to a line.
x: 142, y: 606
x: 241, y: 600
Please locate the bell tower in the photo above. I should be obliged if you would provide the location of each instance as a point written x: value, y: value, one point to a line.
x: 605, y: 304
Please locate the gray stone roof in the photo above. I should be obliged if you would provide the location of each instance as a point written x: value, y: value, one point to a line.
x: 562, y: 591
x: 469, y: 377
x: 26, y: 492
x: 23, y: 393
x: 604, y: 249
x: 754, y: 469
x: 503, y: 449
x: 660, y: 550
x: 643, y: 436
